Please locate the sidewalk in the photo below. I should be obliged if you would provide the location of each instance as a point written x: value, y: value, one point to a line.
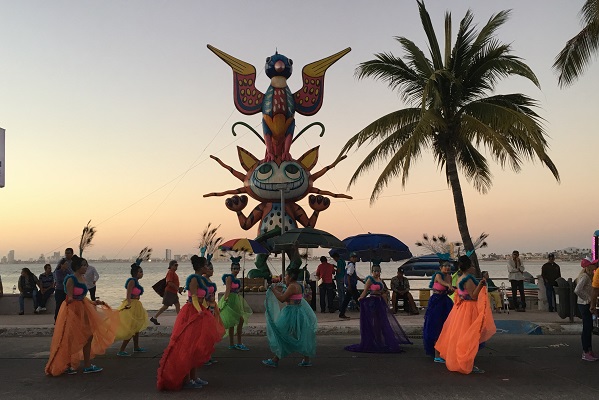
x: 328, y: 324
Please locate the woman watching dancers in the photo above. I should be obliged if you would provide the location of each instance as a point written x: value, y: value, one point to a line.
x: 469, y: 324
x: 379, y: 330
x: 584, y: 291
x: 438, y: 309
x: 234, y: 310
x: 80, y: 327
x: 193, y: 337
x: 293, y: 328
x: 133, y: 316
x: 170, y: 292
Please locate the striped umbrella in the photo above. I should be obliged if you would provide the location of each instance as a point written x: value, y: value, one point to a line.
x: 245, y: 245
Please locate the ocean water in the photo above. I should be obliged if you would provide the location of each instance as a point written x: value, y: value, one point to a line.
x: 111, y: 285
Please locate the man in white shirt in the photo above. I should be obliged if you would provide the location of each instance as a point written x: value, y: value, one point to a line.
x: 515, y: 271
x: 91, y: 277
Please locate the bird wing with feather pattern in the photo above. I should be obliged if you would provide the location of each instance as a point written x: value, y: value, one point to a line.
x: 308, y: 99
x: 248, y: 99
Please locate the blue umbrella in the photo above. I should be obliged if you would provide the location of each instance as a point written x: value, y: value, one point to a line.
x: 374, y: 246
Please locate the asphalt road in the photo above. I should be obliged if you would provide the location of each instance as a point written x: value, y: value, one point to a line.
x: 529, y: 367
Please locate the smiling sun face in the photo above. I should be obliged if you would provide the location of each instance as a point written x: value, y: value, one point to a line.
x: 266, y: 181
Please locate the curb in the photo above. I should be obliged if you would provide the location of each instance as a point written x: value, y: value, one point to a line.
x: 413, y: 331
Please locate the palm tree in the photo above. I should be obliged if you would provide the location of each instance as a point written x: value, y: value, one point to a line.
x: 571, y: 62
x: 453, y: 114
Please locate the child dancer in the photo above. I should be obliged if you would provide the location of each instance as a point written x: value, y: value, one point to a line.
x: 133, y: 316
x: 234, y: 310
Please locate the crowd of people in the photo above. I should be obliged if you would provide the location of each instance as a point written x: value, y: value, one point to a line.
x: 454, y: 328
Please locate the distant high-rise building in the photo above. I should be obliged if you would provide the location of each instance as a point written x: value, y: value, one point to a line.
x: 168, y: 254
x: 11, y: 257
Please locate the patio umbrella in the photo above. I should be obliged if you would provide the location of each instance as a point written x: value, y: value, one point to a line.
x: 306, y: 238
x: 300, y: 238
x: 374, y: 246
x: 246, y: 246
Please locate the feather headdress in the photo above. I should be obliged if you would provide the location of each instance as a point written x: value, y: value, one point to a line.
x: 144, y: 255
x: 479, y: 243
x: 209, y: 242
x: 438, y: 245
x: 86, y: 237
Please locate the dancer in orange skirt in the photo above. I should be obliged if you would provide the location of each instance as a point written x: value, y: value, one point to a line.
x: 193, y: 338
x: 470, y: 322
x: 82, y: 330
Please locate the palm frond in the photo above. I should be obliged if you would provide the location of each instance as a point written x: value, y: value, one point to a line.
x: 577, y: 55
x: 86, y: 237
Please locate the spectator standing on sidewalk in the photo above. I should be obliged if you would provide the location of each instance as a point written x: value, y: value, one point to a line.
x: 550, y: 272
x: 324, y: 271
x: 515, y: 270
x: 351, y: 285
x: 60, y: 273
x: 46, y: 287
x: 584, y: 291
x: 91, y: 277
x: 339, y: 277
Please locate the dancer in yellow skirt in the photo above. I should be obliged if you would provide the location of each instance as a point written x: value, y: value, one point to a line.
x: 83, y: 328
x: 133, y: 316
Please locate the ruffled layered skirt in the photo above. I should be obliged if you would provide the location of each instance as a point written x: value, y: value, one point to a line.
x: 233, y: 309
x: 76, y: 323
x: 470, y: 323
x: 291, y: 329
x: 437, y: 311
x: 379, y: 330
x: 133, y: 320
x: 192, y: 343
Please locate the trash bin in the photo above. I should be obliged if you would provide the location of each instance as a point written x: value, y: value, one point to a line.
x: 423, y: 296
x: 562, y: 298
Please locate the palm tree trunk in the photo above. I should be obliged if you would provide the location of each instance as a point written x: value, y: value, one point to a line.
x: 453, y: 178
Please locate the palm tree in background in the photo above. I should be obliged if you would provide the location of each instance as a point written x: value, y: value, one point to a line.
x: 453, y: 113
x: 573, y: 60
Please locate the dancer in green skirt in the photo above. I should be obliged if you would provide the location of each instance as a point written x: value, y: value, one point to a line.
x: 234, y: 310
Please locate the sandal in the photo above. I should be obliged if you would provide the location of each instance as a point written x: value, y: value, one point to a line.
x: 304, y: 364
x: 476, y: 370
x: 439, y: 360
x: 70, y: 371
x: 270, y: 363
x: 139, y: 350
x: 91, y: 369
x: 123, y: 354
x: 241, y: 347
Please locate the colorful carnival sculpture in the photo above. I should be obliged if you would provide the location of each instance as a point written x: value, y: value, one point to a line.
x: 278, y: 176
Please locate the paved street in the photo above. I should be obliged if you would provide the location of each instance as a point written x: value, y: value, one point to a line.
x: 533, y: 367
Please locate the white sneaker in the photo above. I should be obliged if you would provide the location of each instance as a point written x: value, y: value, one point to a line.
x: 43, y: 309
x: 38, y: 309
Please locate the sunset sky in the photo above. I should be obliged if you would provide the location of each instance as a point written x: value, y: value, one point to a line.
x: 112, y: 108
